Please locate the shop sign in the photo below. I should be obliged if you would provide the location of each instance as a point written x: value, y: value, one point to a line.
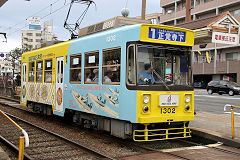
x: 225, y: 38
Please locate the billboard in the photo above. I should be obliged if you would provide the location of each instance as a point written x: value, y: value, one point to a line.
x: 225, y: 38
x: 34, y: 22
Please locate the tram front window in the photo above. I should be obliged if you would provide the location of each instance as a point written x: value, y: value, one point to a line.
x: 160, y: 65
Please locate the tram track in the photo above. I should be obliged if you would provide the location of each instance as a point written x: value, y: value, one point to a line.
x: 139, y: 149
x: 45, y: 144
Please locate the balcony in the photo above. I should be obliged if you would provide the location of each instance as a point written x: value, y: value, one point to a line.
x: 164, y: 3
x: 169, y: 17
x: 224, y: 2
x: 204, y: 6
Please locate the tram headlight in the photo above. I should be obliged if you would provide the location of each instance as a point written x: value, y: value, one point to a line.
x: 145, y: 109
x: 145, y: 99
x: 187, y: 99
x: 187, y: 107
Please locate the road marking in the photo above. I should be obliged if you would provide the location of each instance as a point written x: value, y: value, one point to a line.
x: 193, y: 147
x: 235, y: 113
x: 210, y: 96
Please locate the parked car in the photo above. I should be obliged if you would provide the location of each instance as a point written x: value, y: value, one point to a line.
x: 222, y: 86
x: 200, y: 84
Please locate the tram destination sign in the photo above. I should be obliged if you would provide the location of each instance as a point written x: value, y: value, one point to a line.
x: 167, y: 35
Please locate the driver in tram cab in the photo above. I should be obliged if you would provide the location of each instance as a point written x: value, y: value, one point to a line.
x: 146, y: 76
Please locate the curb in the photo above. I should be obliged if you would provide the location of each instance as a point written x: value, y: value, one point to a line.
x: 215, y: 137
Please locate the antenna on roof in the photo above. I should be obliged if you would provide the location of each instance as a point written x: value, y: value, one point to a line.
x: 73, y: 28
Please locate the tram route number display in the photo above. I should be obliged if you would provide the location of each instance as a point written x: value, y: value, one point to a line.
x: 167, y: 110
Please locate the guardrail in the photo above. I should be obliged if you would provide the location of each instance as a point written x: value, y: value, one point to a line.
x: 232, y: 116
x: 22, y: 138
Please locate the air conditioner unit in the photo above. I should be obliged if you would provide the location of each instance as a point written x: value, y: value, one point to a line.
x: 170, y: 11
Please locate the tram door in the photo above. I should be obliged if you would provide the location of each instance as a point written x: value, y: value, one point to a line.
x: 59, y: 84
x: 24, y: 89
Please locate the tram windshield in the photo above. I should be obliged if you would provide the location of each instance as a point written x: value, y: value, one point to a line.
x: 161, y: 65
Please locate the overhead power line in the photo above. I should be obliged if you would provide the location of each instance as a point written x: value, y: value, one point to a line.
x: 52, y: 12
x: 36, y: 13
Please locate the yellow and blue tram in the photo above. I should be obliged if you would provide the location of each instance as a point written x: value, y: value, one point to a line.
x: 95, y: 81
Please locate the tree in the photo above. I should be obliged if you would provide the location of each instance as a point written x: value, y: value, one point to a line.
x: 14, y: 57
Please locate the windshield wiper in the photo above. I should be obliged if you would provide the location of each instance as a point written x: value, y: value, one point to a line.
x: 160, y: 78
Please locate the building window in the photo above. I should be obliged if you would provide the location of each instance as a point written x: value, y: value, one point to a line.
x: 39, y: 71
x: 91, y: 69
x: 38, y: 34
x: 192, y: 3
x: 235, y: 12
x: 170, y: 11
x: 196, y: 57
x: 75, y: 68
x: 30, y: 40
x: 111, y: 66
x: 204, y: 58
x: 48, y: 71
x: 29, y: 34
x: 38, y: 40
x: 205, y: 1
x: 219, y: 55
x: 198, y: 2
x: 31, y: 71
x: 232, y: 56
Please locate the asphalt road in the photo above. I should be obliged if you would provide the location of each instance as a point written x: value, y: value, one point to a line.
x: 214, y: 103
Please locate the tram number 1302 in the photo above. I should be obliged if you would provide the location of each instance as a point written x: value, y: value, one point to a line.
x: 168, y: 110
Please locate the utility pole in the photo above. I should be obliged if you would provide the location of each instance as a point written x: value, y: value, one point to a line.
x: 143, y: 9
x: 188, y: 11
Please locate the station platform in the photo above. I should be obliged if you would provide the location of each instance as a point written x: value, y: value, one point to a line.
x: 217, y: 127
x: 3, y: 155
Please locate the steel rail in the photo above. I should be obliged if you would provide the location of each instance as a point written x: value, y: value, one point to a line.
x: 14, y: 148
x: 87, y: 149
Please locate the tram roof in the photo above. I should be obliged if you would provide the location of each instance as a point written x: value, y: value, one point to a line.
x: 139, y: 28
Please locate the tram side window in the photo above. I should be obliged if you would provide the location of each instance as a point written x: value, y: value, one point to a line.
x: 131, y: 75
x: 111, y: 66
x: 75, y: 68
x: 31, y: 71
x: 91, y: 68
x: 39, y: 71
x: 48, y: 71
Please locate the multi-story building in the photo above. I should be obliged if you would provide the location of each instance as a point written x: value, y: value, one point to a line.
x: 31, y: 39
x: 174, y: 11
x: 154, y: 17
x: 6, y: 67
x: 225, y: 59
x: 35, y: 37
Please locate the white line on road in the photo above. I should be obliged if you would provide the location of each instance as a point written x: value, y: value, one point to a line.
x: 235, y: 113
x: 193, y: 147
x: 210, y: 96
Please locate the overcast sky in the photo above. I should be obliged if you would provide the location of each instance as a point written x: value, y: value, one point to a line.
x: 15, y: 12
